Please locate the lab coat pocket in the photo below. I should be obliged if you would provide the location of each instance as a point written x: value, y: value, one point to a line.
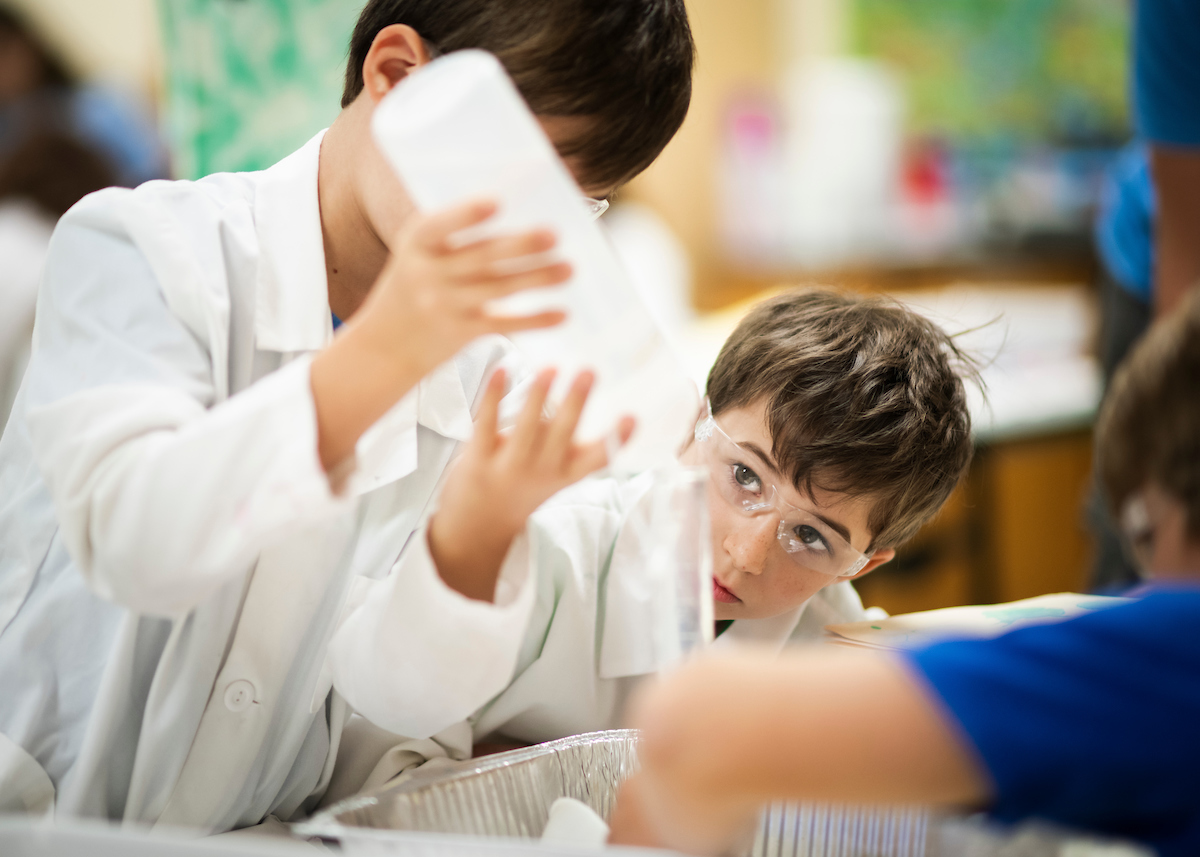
x: 24, y: 785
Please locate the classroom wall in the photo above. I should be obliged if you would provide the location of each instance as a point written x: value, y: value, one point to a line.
x: 112, y: 40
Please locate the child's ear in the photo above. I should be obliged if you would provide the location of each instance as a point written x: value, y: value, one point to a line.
x: 397, y: 50
x: 877, y: 559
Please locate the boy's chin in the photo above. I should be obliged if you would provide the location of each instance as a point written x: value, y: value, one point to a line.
x: 742, y: 610
x: 725, y: 611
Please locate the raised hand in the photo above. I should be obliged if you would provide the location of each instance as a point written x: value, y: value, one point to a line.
x: 502, y: 478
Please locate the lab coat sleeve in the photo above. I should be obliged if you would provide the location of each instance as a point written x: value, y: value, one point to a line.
x: 413, y: 656
x: 161, y: 494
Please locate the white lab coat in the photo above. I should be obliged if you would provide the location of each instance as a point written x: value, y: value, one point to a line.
x: 590, y: 641
x: 174, y: 568
x: 24, y: 236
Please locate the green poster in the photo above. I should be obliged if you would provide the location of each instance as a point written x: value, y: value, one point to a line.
x: 1050, y: 70
x: 249, y: 81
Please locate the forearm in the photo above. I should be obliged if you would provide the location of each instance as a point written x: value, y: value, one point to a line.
x: 470, y: 564
x: 725, y: 736
x: 1177, y: 226
x: 355, y: 381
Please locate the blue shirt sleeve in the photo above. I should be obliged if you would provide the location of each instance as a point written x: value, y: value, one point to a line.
x: 1125, y: 222
x: 1166, y: 71
x: 1093, y: 723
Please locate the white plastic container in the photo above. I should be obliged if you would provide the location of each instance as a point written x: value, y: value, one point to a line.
x: 458, y: 129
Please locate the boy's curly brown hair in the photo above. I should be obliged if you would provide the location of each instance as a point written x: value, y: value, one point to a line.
x: 863, y: 396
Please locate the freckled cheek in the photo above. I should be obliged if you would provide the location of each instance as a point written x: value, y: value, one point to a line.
x: 787, y: 585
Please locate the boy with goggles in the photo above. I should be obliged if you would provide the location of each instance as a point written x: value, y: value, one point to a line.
x: 1087, y: 724
x: 835, y: 426
x: 807, y: 538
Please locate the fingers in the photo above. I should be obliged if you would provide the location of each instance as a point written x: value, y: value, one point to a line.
x: 511, y: 324
x: 590, y: 457
x: 487, y: 421
x: 586, y: 458
x: 507, y: 284
x: 562, y: 428
x: 432, y: 230
x: 484, y: 260
x: 625, y: 427
x: 527, y: 436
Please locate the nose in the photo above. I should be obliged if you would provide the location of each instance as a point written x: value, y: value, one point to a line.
x: 749, y: 541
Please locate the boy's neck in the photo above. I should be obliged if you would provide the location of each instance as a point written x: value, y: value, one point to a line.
x: 354, y: 251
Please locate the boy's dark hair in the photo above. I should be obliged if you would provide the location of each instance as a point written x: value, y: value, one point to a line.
x: 863, y: 397
x: 1149, y: 425
x: 625, y: 65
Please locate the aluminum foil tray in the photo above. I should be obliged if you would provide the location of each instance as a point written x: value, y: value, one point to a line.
x: 509, y: 794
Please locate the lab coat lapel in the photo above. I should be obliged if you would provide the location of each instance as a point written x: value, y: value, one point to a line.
x: 387, y: 451
x: 291, y: 292
x: 292, y: 316
x: 442, y: 403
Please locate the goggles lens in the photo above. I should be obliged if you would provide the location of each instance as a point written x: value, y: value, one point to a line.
x: 595, y: 207
x: 804, y: 537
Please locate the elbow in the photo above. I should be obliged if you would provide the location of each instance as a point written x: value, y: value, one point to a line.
x: 131, y: 582
x: 143, y: 571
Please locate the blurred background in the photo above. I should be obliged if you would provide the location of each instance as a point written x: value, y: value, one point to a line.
x: 960, y: 156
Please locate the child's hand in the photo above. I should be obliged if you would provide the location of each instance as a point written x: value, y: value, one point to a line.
x: 500, y: 480
x: 429, y: 301
x: 431, y: 298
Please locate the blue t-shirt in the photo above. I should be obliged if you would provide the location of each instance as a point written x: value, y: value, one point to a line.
x: 1125, y: 223
x: 1166, y: 71
x: 1093, y: 723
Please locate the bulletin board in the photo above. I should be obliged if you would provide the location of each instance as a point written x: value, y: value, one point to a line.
x: 1052, y: 70
x: 249, y: 81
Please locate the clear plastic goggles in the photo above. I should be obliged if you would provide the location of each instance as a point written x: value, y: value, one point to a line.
x: 595, y: 207
x: 804, y: 537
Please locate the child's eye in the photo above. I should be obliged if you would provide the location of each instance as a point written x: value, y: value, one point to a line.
x: 810, y: 537
x: 746, y: 478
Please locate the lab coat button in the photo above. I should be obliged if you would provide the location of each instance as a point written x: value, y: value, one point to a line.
x: 239, y: 695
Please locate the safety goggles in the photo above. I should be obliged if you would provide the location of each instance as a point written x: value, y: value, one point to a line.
x: 804, y: 537
x: 595, y: 207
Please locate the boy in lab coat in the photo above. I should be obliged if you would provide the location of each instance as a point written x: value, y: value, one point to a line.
x: 1090, y: 723
x: 199, y: 475
x: 835, y: 426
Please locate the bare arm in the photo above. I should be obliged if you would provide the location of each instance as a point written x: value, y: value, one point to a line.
x: 1176, y: 174
x: 724, y: 736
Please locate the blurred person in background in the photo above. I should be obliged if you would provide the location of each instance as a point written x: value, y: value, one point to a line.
x: 39, y: 92
x: 46, y: 175
x: 59, y: 141
x: 1148, y: 229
